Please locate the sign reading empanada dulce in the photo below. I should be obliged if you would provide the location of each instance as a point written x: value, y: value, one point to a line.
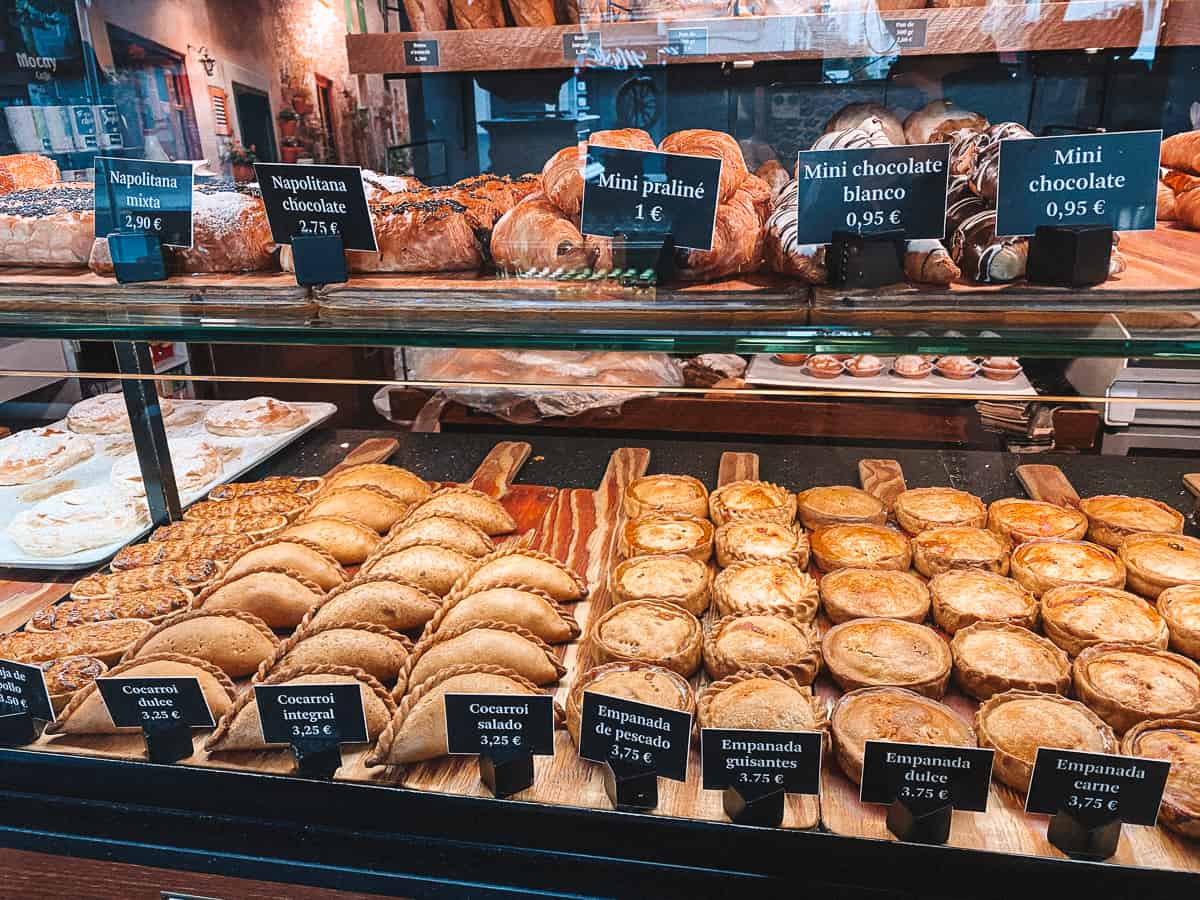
x: 319, y: 713
x: 1097, y: 787
x: 156, y: 702
x: 317, y: 201
x: 614, y: 730
x: 789, y: 761
x: 23, y: 691
x: 499, y: 723
x: 926, y: 775
x: 139, y: 196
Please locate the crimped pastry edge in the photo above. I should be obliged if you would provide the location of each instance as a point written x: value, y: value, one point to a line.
x: 1183, y: 639
x: 931, y: 563
x: 951, y: 620
x: 933, y: 687
x: 1118, y: 715
x: 771, y: 673
x: 996, y: 523
x: 1175, y: 815
x: 1040, y: 584
x: 1109, y: 533
x: 220, y: 572
x: 719, y: 664
x: 838, y: 612
x: 816, y: 518
x: 1142, y: 581
x: 190, y: 598
x: 257, y: 534
x: 784, y: 511
x: 325, y: 556
x: 685, y: 661
x: 415, y: 512
x: 1074, y: 640
x: 726, y: 555
x: 634, y: 506
x: 382, y: 553
x: 982, y: 684
x: 315, y: 480
x: 108, y: 657
x: 302, y: 633
x: 190, y: 615
x: 913, y: 524
x: 828, y: 563
x: 695, y: 603
x: 580, y: 582
x: 359, y: 581
x: 728, y: 605
x: 700, y: 551
x: 202, y: 598
x: 454, y: 598
x: 396, y: 532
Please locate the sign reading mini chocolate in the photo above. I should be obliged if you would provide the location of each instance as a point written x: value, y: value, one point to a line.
x: 926, y: 775
x: 1097, y: 787
x: 316, y: 200
x: 789, y: 761
x: 158, y: 702
x: 23, y: 691
x: 615, y: 730
x: 492, y: 723
x: 626, y: 191
x: 872, y: 190
x: 1078, y: 179
x: 138, y: 196
x: 319, y: 713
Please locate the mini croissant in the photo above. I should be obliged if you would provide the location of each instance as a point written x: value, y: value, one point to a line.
x: 235, y: 642
x: 518, y: 565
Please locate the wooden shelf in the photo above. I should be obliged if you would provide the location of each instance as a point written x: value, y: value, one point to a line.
x: 632, y: 45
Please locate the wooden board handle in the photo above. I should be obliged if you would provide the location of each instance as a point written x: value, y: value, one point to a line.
x: 497, y: 470
x: 372, y: 450
x: 1192, y: 483
x: 737, y: 467
x: 882, y: 479
x: 1049, y: 484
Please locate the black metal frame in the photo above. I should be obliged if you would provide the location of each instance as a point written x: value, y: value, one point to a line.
x: 149, y: 434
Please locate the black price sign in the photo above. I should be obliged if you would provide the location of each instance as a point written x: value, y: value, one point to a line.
x: 292, y: 713
x: 491, y: 723
x: 580, y: 45
x: 421, y: 53
x: 1097, y: 786
x: 642, y: 190
x: 155, y: 702
x: 23, y: 690
x: 872, y: 190
x: 787, y: 760
x: 909, y: 34
x: 927, y: 775
x: 691, y: 41
x: 316, y: 200
x: 137, y: 196
x: 624, y: 731
x: 1078, y: 179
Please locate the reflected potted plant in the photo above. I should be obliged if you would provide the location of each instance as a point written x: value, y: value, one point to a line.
x: 289, y: 121
x: 290, y: 151
x: 242, y: 160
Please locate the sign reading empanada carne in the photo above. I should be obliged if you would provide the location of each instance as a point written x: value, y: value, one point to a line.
x: 492, y: 723
x: 926, y: 775
x: 292, y: 713
x: 1097, y: 787
x: 23, y: 691
x: 789, y: 761
x: 146, y: 702
x: 614, y: 730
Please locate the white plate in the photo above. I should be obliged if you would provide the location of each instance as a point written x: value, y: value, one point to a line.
x: 765, y: 371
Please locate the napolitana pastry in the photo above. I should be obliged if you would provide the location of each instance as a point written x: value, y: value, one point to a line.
x: 67, y: 676
x: 762, y: 639
x: 745, y: 540
x: 659, y: 633
x: 257, y: 506
x: 766, y: 586
x: 78, y: 520
x: 255, y: 527
x: 1114, y: 517
x: 1076, y: 616
x: 672, y: 578
x: 255, y: 417
x: 758, y: 699
x: 529, y: 568
x: 637, y: 681
x: 278, y: 597
x: 492, y: 643
x: 662, y: 532
x: 1180, y: 608
x: 468, y: 539
x: 235, y: 642
x: 52, y: 226
x: 276, y: 484
x: 994, y: 657
x: 396, y: 481
x: 219, y: 547
x: 468, y: 505
x: 377, y: 650
x: 1178, y: 742
x: 293, y: 554
x: 873, y: 593
x: 107, y: 414
x: 839, y: 505
x: 1129, y: 683
x: 365, y: 503
x: 1045, y: 564
x: 152, y: 606
x: 532, y: 609
x: 189, y: 573
x: 887, y: 652
x: 107, y: 641
x: 41, y: 453
x: 666, y: 493
x: 920, y: 509
x: 752, y: 499
x: 347, y: 540
x: 1156, y: 562
x: 432, y: 567
x: 1017, y: 723
x: 380, y: 600
x: 938, y: 550
x: 860, y: 546
x: 1027, y: 520
x: 196, y: 464
x: 962, y: 597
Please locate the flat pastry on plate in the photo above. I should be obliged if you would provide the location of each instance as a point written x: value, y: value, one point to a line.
x: 1016, y: 723
x: 218, y: 547
x: 752, y: 499
x: 672, y: 578
x: 529, y: 568
x: 650, y: 631
x: 1156, y: 562
x: 433, y: 567
x: 1178, y: 742
x: 347, y: 540
x: 532, y: 609
x: 762, y: 639
x: 67, y: 676
x: 192, y: 574
x: 1114, y: 517
x: 196, y: 465
x: 638, y: 681
x: 666, y: 493
x: 859, y: 546
x: 1026, y: 520
x: 937, y: 550
x: 41, y: 453
x: 1042, y: 565
x: 919, y: 509
x: 1180, y: 608
x: 365, y: 503
x: 377, y: 599
x: 492, y: 643
x: 235, y: 642
x: 891, y: 714
x: 469, y: 505
x: 255, y: 527
x: 839, y: 504
x: 994, y: 657
x: 107, y: 414
x: 873, y: 593
x: 152, y: 606
x: 417, y: 731
x: 766, y: 586
x: 381, y: 652
x: 887, y: 653
x: 276, y: 484
x: 396, y: 481
x: 1076, y: 616
x: 962, y: 597
x: 449, y: 532
x: 294, y: 554
x: 78, y: 520
x: 255, y: 417
x: 278, y: 597
x: 760, y: 699
x: 1129, y: 683
x: 667, y: 532
x: 106, y: 641
x: 259, y: 506
x: 744, y: 540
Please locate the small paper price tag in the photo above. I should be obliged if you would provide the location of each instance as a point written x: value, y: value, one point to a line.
x: 316, y: 200
x: 490, y: 723
x: 624, y: 731
x: 789, y: 761
x: 1097, y: 786
x: 139, y: 196
x: 23, y: 690
x: 153, y: 702
x: 926, y: 775
x: 292, y: 713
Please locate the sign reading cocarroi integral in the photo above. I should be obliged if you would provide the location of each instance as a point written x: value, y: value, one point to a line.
x: 316, y: 200
x: 23, y: 691
x: 871, y: 190
x: 631, y: 191
x: 139, y: 196
x: 152, y: 702
x: 1078, y: 179
x: 1097, y: 787
x: 321, y: 713
x: 615, y: 730
x: 499, y: 723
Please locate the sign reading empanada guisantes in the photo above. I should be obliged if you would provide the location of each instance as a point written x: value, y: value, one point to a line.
x: 322, y: 201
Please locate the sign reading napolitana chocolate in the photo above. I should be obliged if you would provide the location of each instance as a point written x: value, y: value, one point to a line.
x: 316, y: 200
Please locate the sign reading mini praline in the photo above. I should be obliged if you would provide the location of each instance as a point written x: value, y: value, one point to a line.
x: 23, y: 690
x: 926, y: 775
x: 138, y: 196
x: 638, y: 734
x: 495, y: 723
x: 1097, y: 787
x: 156, y: 702
x: 788, y: 761
x: 295, y: 713
x: 636, y: 191
x: 316, y: 200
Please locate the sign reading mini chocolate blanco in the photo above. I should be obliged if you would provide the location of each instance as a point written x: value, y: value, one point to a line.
x: 618, y: 731
x: 311, y: 713
x: 1095, y: 787
x: 138, y: 196
x: 321, y: 201
x: 872, y: 190
x: 494, y: 723
x: 158, y: 703
x: 637, y: 191
x: 1078, y: 179
x: 23, y: 691
x: 926, y: 775
x: 789, y: 761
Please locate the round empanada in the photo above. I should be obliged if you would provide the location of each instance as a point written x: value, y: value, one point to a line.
x: 468, y: 505
x: 278, y: 597
x: 376, y: 650
x: 450, y: 532
x: 346, y: 540
x: 235, y: 642
x: 434, y: 567
x: 377, y: 599
x: 366, y: 503
x: 396, y: 481
x: 294, y: 554
x: 519, y: 566
x: 494, y: 643
x: 528, y: 607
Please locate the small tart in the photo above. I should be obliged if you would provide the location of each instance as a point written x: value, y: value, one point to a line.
x: 937, y: 550
x: 233, y: 641
x: 187, y: 573
x: 1076, y: 616
x: 919, y: 509
x: 860, y: 547
x: 348, y: 541
x: 762, y: 639
x: 1180, y: 608
x: 657, y: 533
x: 377, y: 599
x: 69, y: 675
x: 396, y: 481
x: 761, y: 699
x: 1159, y: 561
x: 753, y: 539
x: 289, y: 505
x: 434, y: 567
x: 839, y: 504
x: 770, y: 587
x: 1178, y: 742
x: 962, y: 597
x: 873, y: 593
x: 375, y: 649
x: 254, y: 417
x: 1043, y: 565
x: 468, y: 505
x: 659, y: 633
x: 520, y: 566
x: 254, y: 527
x: 107, y: 641
x: 994, y: 657
x: 887, y: 652
x: 529, y: 607
x: 639, y: 681
x: 673, y: 578
x: 365, y: 503
x: 1016, y: 723
x: 278, y: 597
x: 276, y: 484
x: 492, y: 643
x: 219, y: 547
x: 294, y: 554
x: 1114, y: 517
x: 666, y: 493
x: 752, y: 499
x: 1129, y: 683
x: 153, y: 606
x: 445, y: 530
x: 892, y: 714
x: 1027, y: 520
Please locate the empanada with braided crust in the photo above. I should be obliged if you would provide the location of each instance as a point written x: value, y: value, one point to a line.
x: 470, y: 506
x: 278, y: 597
x: 396, y: 481
x: 434, y: 567
x: 518, y: 565
x: 366, y: 503
x: 493, y: 643
x: 528, y: 607
x: 346, y: 540
x: 378, y: 599
x: 446, y: 530
x: 376, y: 650
x: 235, y: 642
x: 294, y: 554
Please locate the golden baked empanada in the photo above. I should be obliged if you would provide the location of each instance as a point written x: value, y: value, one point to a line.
x: 493, y: 643
x: 241, y: 727
x: 235, y: 642
x: 376, y: 650
x: 278, y: 597
x: 346, y: 540
x: 87, y: 713
x: 377, y: 599
x: 396, y: 481
x: 373, y: 506
x: 434, y: 567
x: 528, y: 607
x: 294, y: 554
x: 290, y: 505
x: 275, y: 484
x: 469, y: 505
x: 418, y: 729
x: 519, y: 566
x: 450, y: 532
x: 191, y: 574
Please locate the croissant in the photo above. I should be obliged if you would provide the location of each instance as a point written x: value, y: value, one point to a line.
x: 1182, y: 151
x: 703, y: 142
x: 784, y: 253
x: 928, y: 262
x: 985, y: 179
x: 982, y: 256
x: 1165, y: 211
x: 562, y: 175
x: 774, y: 174
x: 535, y: 234
x: 758, y: 192
x: 1187, y: 198
x: 737, y: 243
x: 852, y: 115
x: 941, y: 115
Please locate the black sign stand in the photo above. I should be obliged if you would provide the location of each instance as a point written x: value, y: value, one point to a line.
x: 319, y: 259
x: 631, y: 786
x: 1094, y: 840
x: 317, y: 757
x: 506, y: 771
x: 866, y: 260
x: 136, y: 257
x: 17, y: 730
x: 920, y: 823
x: 167, y: 742
x: 1072, y: 256
x: 754, y: 805
x: 639, y: 253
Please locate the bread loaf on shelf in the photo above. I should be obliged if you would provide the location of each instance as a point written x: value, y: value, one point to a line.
x: 53, y: 226
x: 533, y: 13
x: 27, y: 171
x: 427, y: 15
x: 474, y: 14
x: 1182, y: 152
